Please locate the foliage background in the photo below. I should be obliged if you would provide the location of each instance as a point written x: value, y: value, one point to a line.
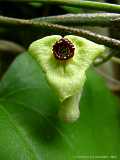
x: 29, y: 126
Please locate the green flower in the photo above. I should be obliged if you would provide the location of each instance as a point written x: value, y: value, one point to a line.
x: 66, y: 73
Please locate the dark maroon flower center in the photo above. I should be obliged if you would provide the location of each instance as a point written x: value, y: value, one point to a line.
x: 63, y: 49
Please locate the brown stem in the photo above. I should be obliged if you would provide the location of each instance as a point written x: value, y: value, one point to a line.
x: 59, y: 29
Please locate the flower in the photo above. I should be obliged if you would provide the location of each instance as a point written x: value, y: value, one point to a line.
x: 64, y: 62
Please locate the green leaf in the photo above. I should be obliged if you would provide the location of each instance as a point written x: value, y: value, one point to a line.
x: 30, y: 129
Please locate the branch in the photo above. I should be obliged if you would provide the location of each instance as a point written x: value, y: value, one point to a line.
x: 116, y: 60
x: 104, y: 58
x: 12, y: 48
x: 93, y: 19
x: 77, y: 3
x: 59, y: 29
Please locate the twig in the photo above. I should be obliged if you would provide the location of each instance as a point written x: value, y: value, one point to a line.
x: 93, y: 19
x: 116, y: 60
x: 77, y: 3
x: 59, y: 29
x: 104, y: 58
x: 8, y: 47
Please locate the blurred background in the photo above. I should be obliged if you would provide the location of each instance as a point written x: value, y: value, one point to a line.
x: 30, y: 124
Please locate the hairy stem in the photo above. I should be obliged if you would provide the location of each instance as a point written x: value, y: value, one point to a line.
x: 78, y: 3
x: 93, y: 19
x: 116, y: 60
x: 59, y: 29
x: 104, y: 58
x: 8, y: 47
x: 85, y: 4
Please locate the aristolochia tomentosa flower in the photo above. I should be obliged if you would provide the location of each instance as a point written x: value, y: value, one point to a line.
x: 64, y: 62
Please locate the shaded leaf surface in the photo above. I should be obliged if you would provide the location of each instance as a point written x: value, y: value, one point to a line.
x: 30, y: 129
